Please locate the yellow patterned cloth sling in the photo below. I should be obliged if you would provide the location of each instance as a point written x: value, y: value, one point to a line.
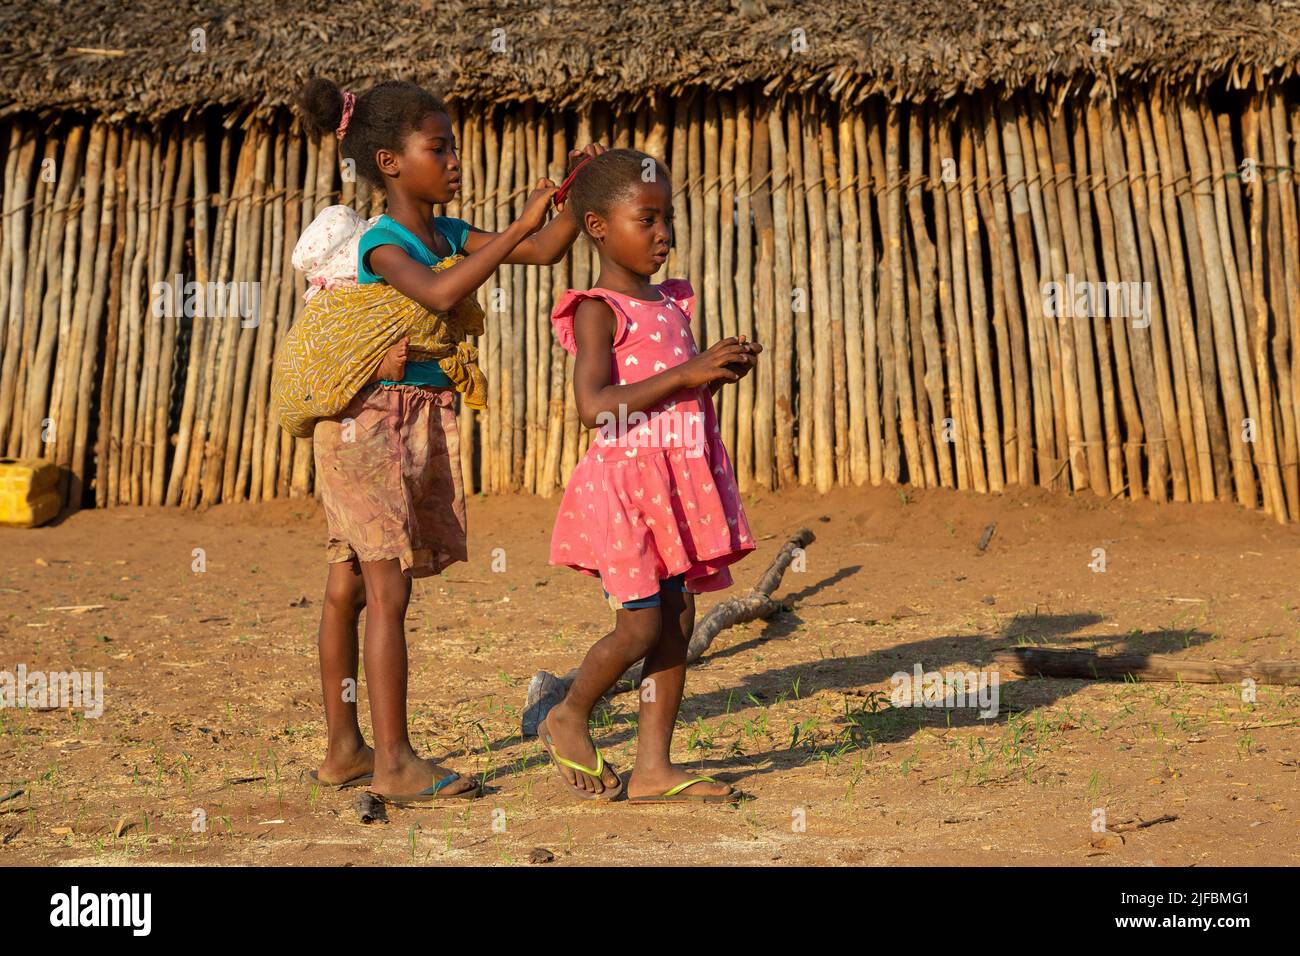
x: 333, y: 350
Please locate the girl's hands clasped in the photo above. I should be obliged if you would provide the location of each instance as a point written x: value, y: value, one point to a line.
x: 726, y: 360
x: 751, y: 359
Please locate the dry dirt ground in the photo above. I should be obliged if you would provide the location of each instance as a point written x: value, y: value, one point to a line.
x: 212, y: 713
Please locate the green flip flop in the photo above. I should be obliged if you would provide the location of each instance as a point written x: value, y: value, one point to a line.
x: 675, y: 795
x: 596, y: 773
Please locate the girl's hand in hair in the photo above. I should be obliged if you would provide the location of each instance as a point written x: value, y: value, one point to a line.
x: 576, y: 158
x: 539, y: 203
x: 591, y: 149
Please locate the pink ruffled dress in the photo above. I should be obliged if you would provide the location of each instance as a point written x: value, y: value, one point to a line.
x: 655, y: 496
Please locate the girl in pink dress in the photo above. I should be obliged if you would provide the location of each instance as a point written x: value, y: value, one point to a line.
x: 653, y: 509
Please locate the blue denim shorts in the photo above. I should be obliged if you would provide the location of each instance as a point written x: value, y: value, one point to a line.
x: 675, y: 583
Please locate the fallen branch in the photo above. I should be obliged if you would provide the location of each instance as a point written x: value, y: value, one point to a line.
x: 1089, y: 665
x: 546, y: 690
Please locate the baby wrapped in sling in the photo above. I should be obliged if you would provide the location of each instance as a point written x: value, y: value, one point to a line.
x: 333, y: 350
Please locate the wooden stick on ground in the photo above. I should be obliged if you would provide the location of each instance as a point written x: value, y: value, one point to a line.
x: 546, y: 690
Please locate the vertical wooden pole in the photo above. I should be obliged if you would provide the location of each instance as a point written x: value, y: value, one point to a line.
x: 867, y: 273
x: 1151, y: 338
x: 76, y: 378
x: 783, y: 376
x: 1089, y: 458
x: 999, y: 362
x: 979, y: 311
x: 884, y: 304
x: 1226, y: 347
x: 1270, y: 472
x: 1198, y: 346
x: 821, y: 418
x: 898, y: 302
x: 926, y: 266
x: 1228, y: 270
x: 743, y: 287
x: 767, y: 302
x: 943, y: 174
x: 1012, y: 290
x: 95, y: 317
x: 851, y: 258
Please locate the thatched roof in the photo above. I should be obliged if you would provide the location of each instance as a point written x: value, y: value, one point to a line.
x: 135, y: 57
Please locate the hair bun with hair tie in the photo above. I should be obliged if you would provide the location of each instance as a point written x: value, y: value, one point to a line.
x: 349, y: 101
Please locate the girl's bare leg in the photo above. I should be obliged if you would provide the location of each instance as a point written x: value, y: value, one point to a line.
x: 663, y: 680
x: 398, y: 769
x: 635, y: 633
x: 347, y: 755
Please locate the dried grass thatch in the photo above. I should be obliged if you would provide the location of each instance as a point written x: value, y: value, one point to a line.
x: 137, y: 60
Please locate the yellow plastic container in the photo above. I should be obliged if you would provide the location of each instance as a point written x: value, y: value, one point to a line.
x: 29, y: 492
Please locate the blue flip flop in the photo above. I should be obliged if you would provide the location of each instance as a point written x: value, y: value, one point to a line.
x: 433, y: 792
x: 357, y: 781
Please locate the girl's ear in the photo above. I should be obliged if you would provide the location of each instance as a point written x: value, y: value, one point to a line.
x: 594, y: 226
x: 386, y: 161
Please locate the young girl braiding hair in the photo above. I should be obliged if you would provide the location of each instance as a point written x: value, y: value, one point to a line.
x: 390, y: 479
x: 652, y: 509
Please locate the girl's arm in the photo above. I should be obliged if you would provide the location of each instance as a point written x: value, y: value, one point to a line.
x: 544, y: 248
x: 549, y: 245
x: 595, y: 396
x: 440, y: 291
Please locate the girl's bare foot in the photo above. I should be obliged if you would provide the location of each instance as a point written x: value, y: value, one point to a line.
x: 413, y: 774
x: 571, y: 739
x: 393, y: 365
x: 343, y: 765
x: 654, y: 782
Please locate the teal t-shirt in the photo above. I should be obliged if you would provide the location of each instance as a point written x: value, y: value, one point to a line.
x: 389, y: 232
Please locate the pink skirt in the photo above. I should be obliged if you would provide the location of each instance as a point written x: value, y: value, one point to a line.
x: 634, y: 521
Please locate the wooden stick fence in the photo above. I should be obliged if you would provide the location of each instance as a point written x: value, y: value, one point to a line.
x: 1103, y: 296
